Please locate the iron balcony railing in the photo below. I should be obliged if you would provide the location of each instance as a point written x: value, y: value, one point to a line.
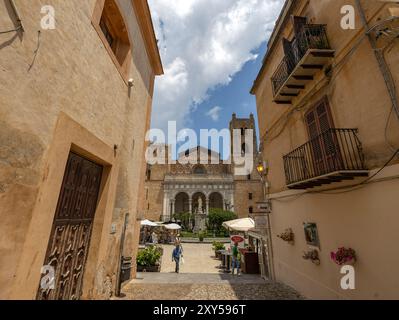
x: 312, y: 36
x: 335, y: 150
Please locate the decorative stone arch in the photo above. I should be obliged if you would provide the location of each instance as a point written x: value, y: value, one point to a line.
x: 216, y: 200
x: 182, y: 202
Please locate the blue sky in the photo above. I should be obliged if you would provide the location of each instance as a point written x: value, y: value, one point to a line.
x: 211, y: 52
x: 231, y: 98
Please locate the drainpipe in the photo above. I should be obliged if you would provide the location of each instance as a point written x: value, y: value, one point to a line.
x: 16, y: 12
x: 270, y: 260
x: 384, y: 68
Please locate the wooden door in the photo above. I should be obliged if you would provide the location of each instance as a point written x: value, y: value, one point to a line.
x: 323, y: 142
x: 70, y: 236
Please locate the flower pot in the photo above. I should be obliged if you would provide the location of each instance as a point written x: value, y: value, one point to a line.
x: 148, y: 268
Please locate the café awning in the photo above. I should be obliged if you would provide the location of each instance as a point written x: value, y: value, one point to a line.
x: 244, y: 224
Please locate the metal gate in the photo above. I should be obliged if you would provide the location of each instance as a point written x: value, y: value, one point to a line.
x: 70, y: 236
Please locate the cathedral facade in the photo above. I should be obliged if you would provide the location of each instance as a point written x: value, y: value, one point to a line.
x: 199, y: 186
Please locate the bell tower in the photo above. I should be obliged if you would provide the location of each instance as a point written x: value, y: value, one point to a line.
x: 243, y: 124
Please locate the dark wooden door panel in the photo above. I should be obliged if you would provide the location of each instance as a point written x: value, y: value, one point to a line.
x: 324, y: 143
x: 70, y: 237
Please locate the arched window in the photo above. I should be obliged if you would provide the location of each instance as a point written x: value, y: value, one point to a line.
x: 199, y: 170
x: 112, y: 30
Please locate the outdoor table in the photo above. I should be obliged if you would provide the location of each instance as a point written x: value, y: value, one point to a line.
x: 226, y: 260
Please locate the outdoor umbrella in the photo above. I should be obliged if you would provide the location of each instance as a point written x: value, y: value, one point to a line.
x: 148, y: 223
x: 244, y: 224
x: 172, y: 226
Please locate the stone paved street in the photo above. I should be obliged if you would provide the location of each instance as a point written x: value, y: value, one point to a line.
x: 205, y: 287
x: 198, y: 258
x: 201, y: 279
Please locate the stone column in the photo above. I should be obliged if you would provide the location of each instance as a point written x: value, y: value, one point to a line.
x: 165, y: 210
x: 207, y: 205
x: 173, y: 202
x: 232, y: 202
x: 190, y: 205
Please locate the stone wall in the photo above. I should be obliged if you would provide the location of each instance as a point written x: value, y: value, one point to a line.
x: 362, y: 217
x: 64, y: 71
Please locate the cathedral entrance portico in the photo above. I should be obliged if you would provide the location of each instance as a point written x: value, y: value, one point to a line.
x: 196, y: 194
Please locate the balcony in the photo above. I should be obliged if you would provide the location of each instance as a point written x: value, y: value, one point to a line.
x: 335, y: 155
x: 307, y: 54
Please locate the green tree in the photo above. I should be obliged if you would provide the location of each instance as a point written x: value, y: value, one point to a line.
x: 217, y: 217
x: 184, y: 218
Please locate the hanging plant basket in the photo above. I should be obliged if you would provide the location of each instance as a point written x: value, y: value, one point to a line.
x: 344, y: 256
x: 313, y: 256
x: 287, y: 236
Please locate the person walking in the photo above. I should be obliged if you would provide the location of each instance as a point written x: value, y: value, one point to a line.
x: 236, y: 259
x: 154, y: 238
x: 177, y: 254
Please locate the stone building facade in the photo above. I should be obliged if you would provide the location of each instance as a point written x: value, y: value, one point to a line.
x: 75, y: 105
x: 176, y: 188
x: 329, y: 127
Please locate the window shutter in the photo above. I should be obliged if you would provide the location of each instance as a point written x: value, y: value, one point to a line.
x: 298, y: 23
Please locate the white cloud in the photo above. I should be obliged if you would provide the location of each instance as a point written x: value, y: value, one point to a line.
x: 214, y: 113
x: 203, y: 44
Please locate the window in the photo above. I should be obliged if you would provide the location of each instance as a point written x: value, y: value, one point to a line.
x: 107, y: 33
x: 199, y: 170
x: 249, y: 177
x: 149, y: 174
x: 111, y: 28
x: 250, y: 196
x: 251, y: 210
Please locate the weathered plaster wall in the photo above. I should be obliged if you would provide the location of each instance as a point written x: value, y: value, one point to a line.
x: 282, y: 127
x: 362, y: 219
x: 71, y: 73
x: 365, y: 220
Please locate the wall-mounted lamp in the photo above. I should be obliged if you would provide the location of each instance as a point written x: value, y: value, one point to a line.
x: 262, y: 168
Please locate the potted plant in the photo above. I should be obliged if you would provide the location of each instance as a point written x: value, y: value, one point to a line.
x: 344, y: 256
x: 148, y: 260
x: 287, y: 236
x: 201, y: 237
x: 313, y: 256
x: 217, y: 247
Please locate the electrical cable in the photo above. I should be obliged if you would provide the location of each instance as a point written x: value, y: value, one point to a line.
x: 13, y: 30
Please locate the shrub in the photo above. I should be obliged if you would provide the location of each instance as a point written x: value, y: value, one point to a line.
x: 217, y: 217
x: 148, y: 257
x: 185, y: 219
x: 218, y: 246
